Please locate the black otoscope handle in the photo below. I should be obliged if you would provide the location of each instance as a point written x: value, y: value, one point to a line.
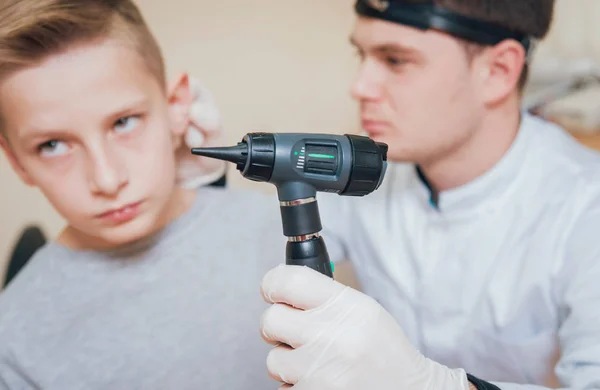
x: 302, y: 224
x: 310, y: 253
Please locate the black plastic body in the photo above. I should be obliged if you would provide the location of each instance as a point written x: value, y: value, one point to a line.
x: 302, y: 221
x: 281, y: 158
x: 311, y: 253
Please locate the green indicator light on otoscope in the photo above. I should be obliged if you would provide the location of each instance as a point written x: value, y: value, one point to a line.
x: 316, y: 155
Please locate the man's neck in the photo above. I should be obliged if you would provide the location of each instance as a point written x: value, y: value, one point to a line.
x: 483, y: 150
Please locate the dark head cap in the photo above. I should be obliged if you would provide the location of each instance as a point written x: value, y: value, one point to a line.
x: 427, y: 15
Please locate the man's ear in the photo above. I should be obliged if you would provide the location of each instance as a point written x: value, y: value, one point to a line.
x: 501, y: 70
x: 180, y: 99
x: 14, y: 162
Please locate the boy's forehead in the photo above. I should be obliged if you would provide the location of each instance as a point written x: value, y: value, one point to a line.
x: 93, y: 80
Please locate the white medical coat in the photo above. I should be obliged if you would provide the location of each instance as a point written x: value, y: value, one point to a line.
x: 503, y: 276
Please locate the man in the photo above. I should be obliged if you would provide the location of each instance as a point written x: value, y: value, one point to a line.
x: 480, y: 244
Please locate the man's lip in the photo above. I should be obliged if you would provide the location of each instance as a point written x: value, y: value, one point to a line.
x: 117, y: 210
x: 373, y: 126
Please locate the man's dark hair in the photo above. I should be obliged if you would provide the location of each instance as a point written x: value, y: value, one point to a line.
x: 530, y: 17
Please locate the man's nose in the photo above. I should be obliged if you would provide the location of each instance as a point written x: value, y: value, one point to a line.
x: 107, y: 175
x: 366, y: 85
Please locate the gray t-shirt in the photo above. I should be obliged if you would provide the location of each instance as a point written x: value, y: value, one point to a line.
x: 180, y: 310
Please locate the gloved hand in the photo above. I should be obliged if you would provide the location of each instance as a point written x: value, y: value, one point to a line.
x: 205, y: 130
x: 335, y: 337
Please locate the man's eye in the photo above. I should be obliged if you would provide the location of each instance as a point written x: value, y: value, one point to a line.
x: 393, y: 61
x: 127, y: 124
x: 53, y: 148
x: 359, y: 54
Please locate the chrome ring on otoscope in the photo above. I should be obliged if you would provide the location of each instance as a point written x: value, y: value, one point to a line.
x: 304, y: 237
x: 297, y: 202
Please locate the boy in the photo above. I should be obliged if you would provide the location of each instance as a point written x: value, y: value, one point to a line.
x: 150, y: 286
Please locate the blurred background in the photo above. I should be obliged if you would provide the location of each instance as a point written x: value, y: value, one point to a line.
x: 284, y: 66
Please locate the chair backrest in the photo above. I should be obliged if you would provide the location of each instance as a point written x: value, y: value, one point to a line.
x: 222, y: 182
x: 32, y: 239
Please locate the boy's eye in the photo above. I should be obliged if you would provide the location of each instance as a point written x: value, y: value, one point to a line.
x: 53, y: 148
x: 127, y: 124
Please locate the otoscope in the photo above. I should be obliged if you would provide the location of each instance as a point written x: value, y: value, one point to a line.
x: 300, y: 165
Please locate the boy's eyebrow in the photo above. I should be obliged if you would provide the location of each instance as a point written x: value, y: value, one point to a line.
x: 128, y: 108
x: 32, y: 133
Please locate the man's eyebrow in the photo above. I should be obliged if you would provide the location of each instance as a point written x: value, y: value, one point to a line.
x: 389, y: 47
x: 395, y: 48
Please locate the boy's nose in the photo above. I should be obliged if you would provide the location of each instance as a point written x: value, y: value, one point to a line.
x: 107, y: 177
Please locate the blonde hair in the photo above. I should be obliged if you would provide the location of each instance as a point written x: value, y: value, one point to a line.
x: 32, y: 30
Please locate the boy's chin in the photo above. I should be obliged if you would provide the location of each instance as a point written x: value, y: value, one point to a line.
x: 109, y: 237
x: 128, y: 234
x: 151, y: 217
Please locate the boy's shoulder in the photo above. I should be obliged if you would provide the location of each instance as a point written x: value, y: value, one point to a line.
x: 223, y: 227
x: 218, y: 215
x: 195, y: 283
x: 236, y: 197
x: 34, y: 274
x: 28, y: 295
x: 234, y: 219
x: 226, y: 206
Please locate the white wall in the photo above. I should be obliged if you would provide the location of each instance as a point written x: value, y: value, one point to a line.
x: 575, y: 33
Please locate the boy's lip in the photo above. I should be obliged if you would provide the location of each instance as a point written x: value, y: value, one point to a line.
x: 121, y: 214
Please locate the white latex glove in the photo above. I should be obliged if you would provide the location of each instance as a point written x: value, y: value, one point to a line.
x: 334, y: 337
x: 205, y: 130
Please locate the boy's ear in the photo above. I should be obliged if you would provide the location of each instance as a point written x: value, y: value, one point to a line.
x: 14, y: 162
x: 180, y: 99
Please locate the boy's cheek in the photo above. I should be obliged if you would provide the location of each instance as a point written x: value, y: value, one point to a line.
x: 73, y: 209
x: 176, y: 140
x: 178, y: 133
x: 15, y: 162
